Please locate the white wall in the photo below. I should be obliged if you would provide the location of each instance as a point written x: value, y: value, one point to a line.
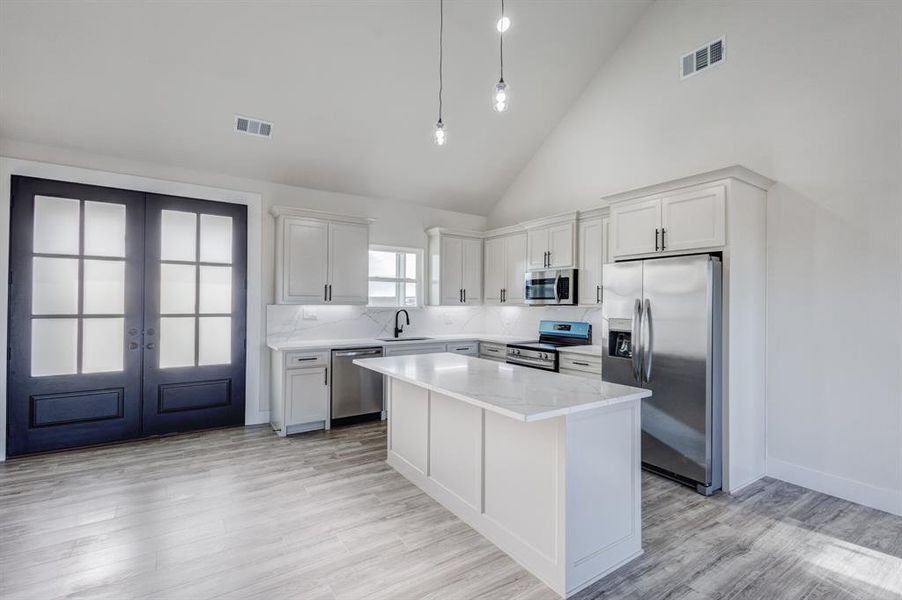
x: 810, y: 95
x: 396, y: 223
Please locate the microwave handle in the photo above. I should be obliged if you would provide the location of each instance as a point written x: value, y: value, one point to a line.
x: 557, y: 284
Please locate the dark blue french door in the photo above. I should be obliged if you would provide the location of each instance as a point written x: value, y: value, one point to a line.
x: 126, y: 315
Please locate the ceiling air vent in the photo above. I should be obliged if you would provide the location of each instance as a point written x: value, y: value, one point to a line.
x: 706, y: 56
x: 251, y: 126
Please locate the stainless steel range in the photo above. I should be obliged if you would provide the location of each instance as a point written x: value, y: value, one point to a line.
x: 542, y: 354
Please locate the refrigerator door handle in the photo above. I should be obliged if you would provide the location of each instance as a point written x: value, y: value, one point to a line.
x: 637, y: 343
x: 647, y: 341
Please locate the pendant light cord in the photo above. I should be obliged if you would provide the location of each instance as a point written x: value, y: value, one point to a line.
x: 501, y: 44
x: 441, y: 33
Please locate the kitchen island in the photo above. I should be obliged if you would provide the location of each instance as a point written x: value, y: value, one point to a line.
x: 546, y: 466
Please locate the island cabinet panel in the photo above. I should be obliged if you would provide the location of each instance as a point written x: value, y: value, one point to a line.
x: 603, y: 497
x: 523, y: 460
x: 409, y: 428
x: 455, y: 447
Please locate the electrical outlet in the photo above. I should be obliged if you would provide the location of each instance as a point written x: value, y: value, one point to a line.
x: 309, y: 314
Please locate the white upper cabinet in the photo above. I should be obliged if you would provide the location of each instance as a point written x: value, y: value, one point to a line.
x: 636, y: 226
x: 455, y: 268
x: 592, y: 240
x: 505, y: 268
x: 694, y: 219
x: 551, y: 244
x: 495, y: 275
x: 304, y: 250
x: 348, y: 272
x: 320, y: 261
x: 688, y: 220
x: 515, y: 267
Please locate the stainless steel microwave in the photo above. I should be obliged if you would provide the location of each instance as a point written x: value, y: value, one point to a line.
x: 557, y: 286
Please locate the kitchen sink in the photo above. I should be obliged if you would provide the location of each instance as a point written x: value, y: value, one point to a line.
x: 405, y: 339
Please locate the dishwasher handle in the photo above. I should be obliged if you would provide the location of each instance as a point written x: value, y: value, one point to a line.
x: 360, y: 353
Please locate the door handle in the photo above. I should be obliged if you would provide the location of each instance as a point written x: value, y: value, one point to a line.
x: 549, y: 258
x: 635, y: 335
x: 648, y: 341
x: 656, y: 239
x: 326, y: 287
x: 597, y: 294
x: 326, y: 376
x: 330, y: 292
x: 663, y: 231
x: 465, y: 295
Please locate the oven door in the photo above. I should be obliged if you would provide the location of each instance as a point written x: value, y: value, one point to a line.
x: 551, y: 287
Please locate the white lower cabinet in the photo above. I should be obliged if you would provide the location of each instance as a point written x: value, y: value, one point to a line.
x: 579, y: 364
x: 470, y: 348
x: 492, y: 351
x: 300, y: 392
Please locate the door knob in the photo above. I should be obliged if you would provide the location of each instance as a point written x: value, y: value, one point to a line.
x: 132, y: 345
x: 150, y: 346
x: 133, y: 331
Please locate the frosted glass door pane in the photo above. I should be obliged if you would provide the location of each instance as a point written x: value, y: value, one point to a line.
x: 215, y: 341
x: 215, y: 289
x: 104, y: 287
x: 177, y: 288
x: 178, y: 235
x: 176, y: 342
x: 104, y: 229
x: 54, y: 286
x: 53, y: 346
x: 55, y: 225
x: 102, y: 345
x: 215, y: 239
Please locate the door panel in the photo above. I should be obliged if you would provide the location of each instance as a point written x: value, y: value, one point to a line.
x: 590, y: 261
x: 471, y: 275
x: 634, y: 226
x: 349, y: 267
x: 560, y: 244
x: 674, y: 418
x: 76, y: 293
x: 694, y: 219
x: 305, y: 267
x: 495, y: 276
x: 451, y: 269
x: 538, y: 246
x: 194, y: 356
x: 515, y: 251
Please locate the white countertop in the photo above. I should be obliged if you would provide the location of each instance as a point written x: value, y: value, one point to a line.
x: 282, y: 345
x: 518, y: 392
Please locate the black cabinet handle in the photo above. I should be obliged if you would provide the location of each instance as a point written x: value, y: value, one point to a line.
x: 582, y: 364
x: 465, y: 295
x: 663, y: 231
x: 656, y: 239
x: 326, y: 291
x: 597, y: 294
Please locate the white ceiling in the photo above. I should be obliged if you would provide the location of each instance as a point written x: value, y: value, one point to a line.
x: 350, y: 86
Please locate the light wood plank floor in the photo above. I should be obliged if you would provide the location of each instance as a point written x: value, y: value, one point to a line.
x: 241, y: 513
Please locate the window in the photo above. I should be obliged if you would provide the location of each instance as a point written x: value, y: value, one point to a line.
x: 395, y: 276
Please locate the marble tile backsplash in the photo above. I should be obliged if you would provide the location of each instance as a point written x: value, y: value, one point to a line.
x: 288, y: 322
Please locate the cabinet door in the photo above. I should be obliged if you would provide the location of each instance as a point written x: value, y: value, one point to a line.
x: 304, y: 261
x: 450, y: 269
x: 634, y: 226
x: 591, y: 257
x: 495, y: 276
x: 348, y: 263
x: 537, y: 243
x: 561, y: 240
x: 471, y: 278
x: 306, y: 396
x: 694, y: 219
x: 515, y: 253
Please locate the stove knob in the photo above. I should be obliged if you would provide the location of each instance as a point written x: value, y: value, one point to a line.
x: 545, y: 355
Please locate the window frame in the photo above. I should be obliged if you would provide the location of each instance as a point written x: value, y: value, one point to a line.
x: 399, y: 251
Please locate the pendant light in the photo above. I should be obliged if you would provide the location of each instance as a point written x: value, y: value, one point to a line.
x: 501, y: 92
x: 438, y: 134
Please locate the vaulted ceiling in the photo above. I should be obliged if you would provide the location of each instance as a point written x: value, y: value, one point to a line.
x: 351, y: 86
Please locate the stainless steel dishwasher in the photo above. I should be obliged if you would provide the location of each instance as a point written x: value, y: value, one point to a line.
x: 356, y: 392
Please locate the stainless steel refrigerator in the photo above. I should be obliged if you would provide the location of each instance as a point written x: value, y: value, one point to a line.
x: 663, y: 320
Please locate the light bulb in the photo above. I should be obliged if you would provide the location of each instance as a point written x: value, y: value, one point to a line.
x: 501, y: 96
x: 503, y: 24
x: 438, y: 135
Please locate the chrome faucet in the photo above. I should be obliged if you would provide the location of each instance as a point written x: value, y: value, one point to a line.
x: 398, y: 329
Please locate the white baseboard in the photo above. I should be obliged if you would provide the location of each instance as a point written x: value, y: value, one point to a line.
x: 848, y: 489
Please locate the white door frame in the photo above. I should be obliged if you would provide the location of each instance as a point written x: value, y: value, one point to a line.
x: 254, y: 203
